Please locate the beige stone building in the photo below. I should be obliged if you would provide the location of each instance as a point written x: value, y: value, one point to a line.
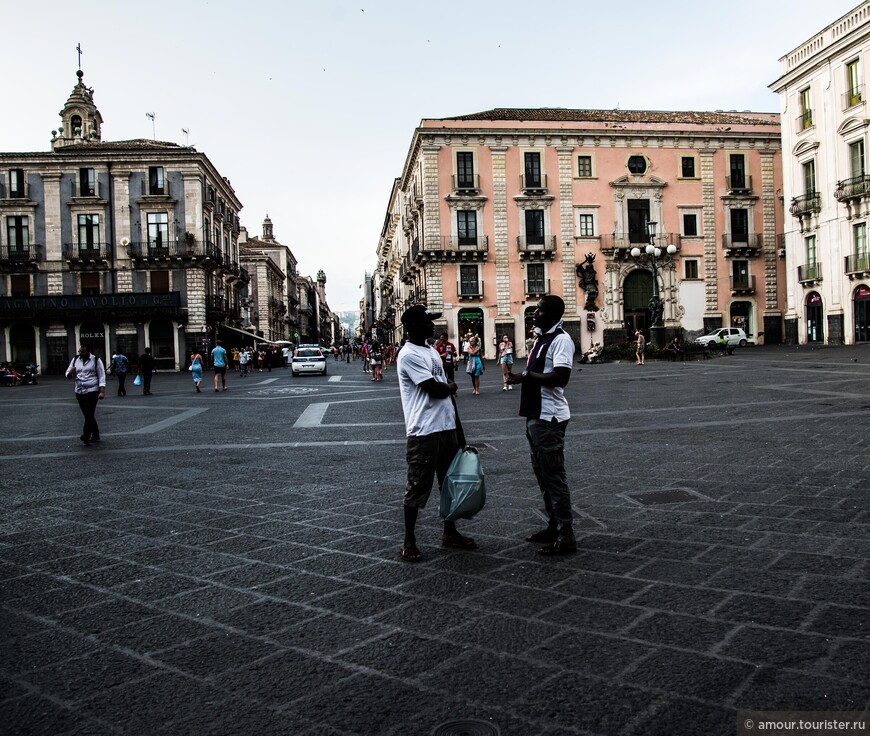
x: 125, y: 245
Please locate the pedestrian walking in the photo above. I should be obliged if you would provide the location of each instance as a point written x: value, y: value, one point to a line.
x: 506, y: 359
x: 640, y: 347
x: 120, y: 367
x: 146, y: 370
x: 430, y: 425
x: 219, y: 361
x: 90, y: 377
x: 244, y: 359
x: 474, y: 366
x: 376, y: 361
x: 197, y: 364
x: 543, y: 404
x: 447, y: 351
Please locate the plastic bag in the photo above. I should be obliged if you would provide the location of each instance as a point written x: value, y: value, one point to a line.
x: 463, y: 492
x: 138, y: 380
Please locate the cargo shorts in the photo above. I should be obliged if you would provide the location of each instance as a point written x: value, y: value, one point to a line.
x: 428, y: 456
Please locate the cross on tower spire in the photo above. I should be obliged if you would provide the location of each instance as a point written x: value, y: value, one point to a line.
x: 79, y: 49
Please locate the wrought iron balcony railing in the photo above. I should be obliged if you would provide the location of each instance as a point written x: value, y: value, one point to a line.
x: 805, y: 204
x: 537, y: 183
x: 19, y: 253
x: 536, y: 243
x: 466, y: 290
x: 84, y: 251
x: 810, y: 272
x: 537, y: 287
x: 742, y: 241
x: 743, y: 285
x: 804, y: 121
x: 853, y: 97
x: 858, y: 263
x: 857, y: 186
x: 467, y: 184
x: 741, y: 184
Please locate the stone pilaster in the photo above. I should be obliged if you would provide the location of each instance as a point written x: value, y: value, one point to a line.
x: 121, y: 185
x: 195, y: 299
x: 768, y: 214
x: 54, y: 283
x: 435, y: 286
x: 500, y: 232
x: 125, y: 282
x: 53, y: 213
x: 566, y: 227
x: 708, y: 199
x: 431, y: 203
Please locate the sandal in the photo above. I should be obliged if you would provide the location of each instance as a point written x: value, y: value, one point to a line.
x: 410, y: 554
x: 458, y: 541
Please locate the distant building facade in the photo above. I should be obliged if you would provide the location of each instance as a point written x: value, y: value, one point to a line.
x: 823, y: 98
x: 495, y: 209
x: 123, y: 245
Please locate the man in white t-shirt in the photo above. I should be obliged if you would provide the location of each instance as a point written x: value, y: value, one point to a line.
x: 430, y: 423
x: 543, y: 404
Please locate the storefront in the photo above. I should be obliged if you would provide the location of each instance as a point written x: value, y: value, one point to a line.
x: 815, y: 316
x: 861, y: 311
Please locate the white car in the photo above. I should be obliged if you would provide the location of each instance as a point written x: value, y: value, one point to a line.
x: 733, y: 335
x: 308, y: 359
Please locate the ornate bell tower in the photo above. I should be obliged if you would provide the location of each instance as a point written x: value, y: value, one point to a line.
x: 81, y: 121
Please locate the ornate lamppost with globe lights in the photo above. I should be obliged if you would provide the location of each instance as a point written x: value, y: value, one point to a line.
x: 650, y: 256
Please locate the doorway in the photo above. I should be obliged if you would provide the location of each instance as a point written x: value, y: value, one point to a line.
x: 162, y: 336
x: 741, y: 316
x: 862, y: 313
x: 815, y: 317
x: 637, y: 290
x: 471, y: 323
x: 22, y: 342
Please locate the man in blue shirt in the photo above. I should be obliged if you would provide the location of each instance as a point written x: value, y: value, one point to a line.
x: 219, y: 360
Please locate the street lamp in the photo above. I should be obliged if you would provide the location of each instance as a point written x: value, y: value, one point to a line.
x: 649, y: 256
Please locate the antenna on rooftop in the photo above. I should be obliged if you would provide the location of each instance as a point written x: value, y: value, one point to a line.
x: 151, y: 116
x: 186, y: 132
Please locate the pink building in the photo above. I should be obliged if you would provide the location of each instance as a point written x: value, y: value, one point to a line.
x: 495, y: 209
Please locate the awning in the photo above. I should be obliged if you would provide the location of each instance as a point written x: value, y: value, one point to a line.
x: 246, y: 333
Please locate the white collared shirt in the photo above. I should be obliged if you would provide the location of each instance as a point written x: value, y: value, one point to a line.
x: 90, y: 374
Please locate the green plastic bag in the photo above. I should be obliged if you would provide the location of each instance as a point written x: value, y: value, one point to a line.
x: 463, y: 492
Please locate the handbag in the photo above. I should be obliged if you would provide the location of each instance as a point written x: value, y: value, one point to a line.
x: 138, y: 380
x: 469, y: 366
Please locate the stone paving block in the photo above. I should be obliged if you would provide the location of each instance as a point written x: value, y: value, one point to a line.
x: 108, y: 614
x: 329, y: 634
x: 689, y: 674
x: 249, y: 576
x: 594, y: 654
x: 29, y: 584
x: 675, y: 571
x: 429, y: 617
x: 260, y: 619
x: 386, y: 574
x: 520, y: 601
x: 239, y: 544
x: 34, y: 715
x: 81, y: 678
x: 815, y: 564
x: 302, y: 587
x: 216, y: 653
x: 598, y: 706
x: 152, y: 585
x: 500, y: 632
x: 208, y: 600
x: 777, y: 689
x: 794, y: 650
x: 850, y: 660
x: 158, y: 632
x: 676, y: 716
x: 669, y: 550
x: 846, y: 592
x: 447, y: 586
x: 284, y: 553
x: 755, y: 581
x: 361, y: 603
x: 677, y: 598
x: 734, y: 557
x: 32, y: 649
x: 389, y: 655
x: 148, y: 705
x: 685, y: 632
x: 787, y: 613
x: 594, y: 615
x: 52, y: 603
x: 853, y: 621
x: 282, y: 678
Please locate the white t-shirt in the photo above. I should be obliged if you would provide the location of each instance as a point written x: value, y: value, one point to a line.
x: 424, y: 414
x: 559, y: 355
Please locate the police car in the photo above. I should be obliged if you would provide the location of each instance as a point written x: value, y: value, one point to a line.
x: 308, y: 359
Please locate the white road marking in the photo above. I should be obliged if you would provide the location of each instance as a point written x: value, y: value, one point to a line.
x: 163, y: 424
x: 266, y: 381
x: 312, y: 416
x: 334, y: 379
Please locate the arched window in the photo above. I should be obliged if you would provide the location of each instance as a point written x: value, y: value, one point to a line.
x: 76, y: 122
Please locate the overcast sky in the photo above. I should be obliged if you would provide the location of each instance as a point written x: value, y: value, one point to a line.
x: 309, y: 108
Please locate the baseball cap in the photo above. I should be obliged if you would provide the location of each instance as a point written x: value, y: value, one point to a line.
x: 418, y: 313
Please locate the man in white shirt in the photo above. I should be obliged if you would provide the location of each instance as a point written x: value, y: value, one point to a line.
x: 90, y: 375
x: 430, y: 423
x: 542, y: 402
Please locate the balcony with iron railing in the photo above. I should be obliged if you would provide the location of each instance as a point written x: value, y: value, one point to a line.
x: 466, y: 184
x: 244, y: 276
x: 806, y: 204
x: 19, y: 254
x: 853, y: 97
x: 22, y: 191
x: 810, y: 273
x: 856, y: 186
x: 84, y: 190
x: 857, y: 263
x: 216, y: 305
x: 533, y: 184
x: 536, y: 287
x: 742, y: 244
x: 738, y: 184
x: 804, y: 121
x: 742, y: 285
x: 469, y: 290
x: 164, y: 249
x: 536, y: 247
x: 85, y: 252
